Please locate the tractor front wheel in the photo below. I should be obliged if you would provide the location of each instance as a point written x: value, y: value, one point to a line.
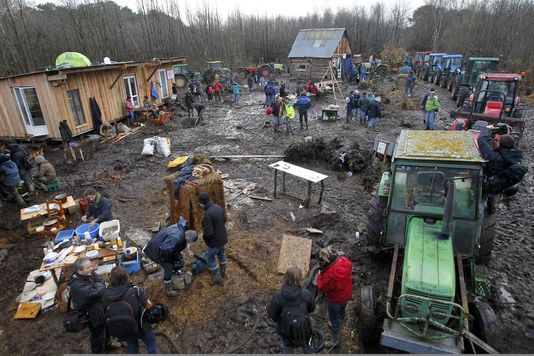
x: 487, y: 236
x: 264, y: 71
x: 375, y: 224
x: 368, y: 321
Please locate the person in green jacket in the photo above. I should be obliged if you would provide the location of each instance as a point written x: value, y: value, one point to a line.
x: 290, y: 116
x: 431, y: 108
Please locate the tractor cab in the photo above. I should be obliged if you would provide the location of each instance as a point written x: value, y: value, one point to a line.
x: 452, y: 63
x: 436, y: 60
x: 430, y: 210
x: 506, y: 83
x: 475, y: 66
x: 216, y: 70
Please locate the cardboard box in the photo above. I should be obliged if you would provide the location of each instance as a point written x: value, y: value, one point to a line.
x: 71, y: 210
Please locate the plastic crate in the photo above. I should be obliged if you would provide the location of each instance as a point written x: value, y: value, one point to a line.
x: 131, y: 266
x: 64, y: 235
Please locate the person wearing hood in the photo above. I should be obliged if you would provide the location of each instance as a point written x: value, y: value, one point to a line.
x: 166, y: 247
x: 431, y: 107
x: 99, y: 209
x: 236, y: 92
x: 9, y: 179
x: 45, y: 172
x: 215, y: 236
x: 336, y: 283
x: 19, y: 156
x: 293, y: 300
x: 85, y: 294
x: 120, y: 289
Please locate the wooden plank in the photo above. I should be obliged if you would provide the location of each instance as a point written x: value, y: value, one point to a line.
x: 249, y: 156
x: 294, y: 252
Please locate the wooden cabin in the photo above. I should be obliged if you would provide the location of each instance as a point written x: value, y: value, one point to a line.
x: 33, y: 104
x: 315, y: 50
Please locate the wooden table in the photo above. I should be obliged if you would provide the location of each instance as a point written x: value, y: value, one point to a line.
x: 300, y: 172
x: 29, y: 215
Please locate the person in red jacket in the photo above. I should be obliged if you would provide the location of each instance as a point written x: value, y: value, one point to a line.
x: 336, y: 283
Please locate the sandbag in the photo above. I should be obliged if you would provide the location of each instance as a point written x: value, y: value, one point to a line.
x: 163, y: 146
x: 149, y: 146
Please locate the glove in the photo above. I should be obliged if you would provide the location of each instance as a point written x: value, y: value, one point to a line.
x: 436, y: 110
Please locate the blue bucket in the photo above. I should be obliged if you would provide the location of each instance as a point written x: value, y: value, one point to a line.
x: 93, y: 232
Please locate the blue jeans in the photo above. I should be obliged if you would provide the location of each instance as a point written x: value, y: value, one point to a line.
x: 336, y: 314
x: 362, y: 115
x: 277, y: 123
x: 215, y: 251
x: 430, y: 118
x: 132, y: 115
x: 236, y: 98
x: 148, y: 338
x: 372, y: 122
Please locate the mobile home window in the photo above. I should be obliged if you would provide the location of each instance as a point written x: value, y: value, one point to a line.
x: 163, y: 90
x: 300, y: 67
x: 76, y: 107
x: 130, y: 86
x: 29, y: 106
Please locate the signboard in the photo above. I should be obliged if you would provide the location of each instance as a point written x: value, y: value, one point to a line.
x: 381, y: 149
x: 170, y: 74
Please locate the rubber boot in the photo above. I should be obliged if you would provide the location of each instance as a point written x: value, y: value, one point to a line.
x: 336, y: 340
x: 217, y: 279
x: 169, y: 292
x: 223, y: 269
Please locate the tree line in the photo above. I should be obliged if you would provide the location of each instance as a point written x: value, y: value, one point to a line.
x: 32, y: 37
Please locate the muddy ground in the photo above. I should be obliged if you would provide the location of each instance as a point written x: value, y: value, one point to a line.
x: 232, y: 318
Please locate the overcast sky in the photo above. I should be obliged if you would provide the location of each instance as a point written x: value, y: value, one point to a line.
x: 273, y: 7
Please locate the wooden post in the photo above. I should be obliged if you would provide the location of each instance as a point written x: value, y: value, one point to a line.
x: 275, y: 176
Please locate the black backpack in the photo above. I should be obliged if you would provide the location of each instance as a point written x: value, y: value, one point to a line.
x: 120, y: 318
x: 296, y: 327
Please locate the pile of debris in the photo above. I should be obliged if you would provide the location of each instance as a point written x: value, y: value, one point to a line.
x: 315, y: 149
x: 108, y: 177
x: 354, y: 160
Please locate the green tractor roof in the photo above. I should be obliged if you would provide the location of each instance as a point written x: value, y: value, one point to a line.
x: 432, y: 145
x: 487, y: 59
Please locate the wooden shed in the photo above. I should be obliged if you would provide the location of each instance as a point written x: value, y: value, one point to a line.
x: 33, y: 104
x: 314, y: 50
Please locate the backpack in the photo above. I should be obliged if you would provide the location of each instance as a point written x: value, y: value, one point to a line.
x: 120, y: 318
x: 296, y: 327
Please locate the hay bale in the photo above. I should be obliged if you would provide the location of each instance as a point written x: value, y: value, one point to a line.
x: 187, y: 204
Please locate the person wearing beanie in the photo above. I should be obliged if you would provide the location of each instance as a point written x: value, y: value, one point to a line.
x: 9, y: 179
x: 45, y: 172
x: 335, y: 282
x: 215, y: 236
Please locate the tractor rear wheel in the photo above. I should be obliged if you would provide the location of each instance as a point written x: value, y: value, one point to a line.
x: 375, y: 224
x: 487, y: 236
x: 180, y: 81
x: 264, y: 71
x: 368, y: 321
x: 450, y: 83
x: 443, y: 81
x: 485, y: 326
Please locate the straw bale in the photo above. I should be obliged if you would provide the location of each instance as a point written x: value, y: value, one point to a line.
x: 187, y: 205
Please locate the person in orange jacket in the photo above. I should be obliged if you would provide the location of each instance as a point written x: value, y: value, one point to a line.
x: 336, y: 283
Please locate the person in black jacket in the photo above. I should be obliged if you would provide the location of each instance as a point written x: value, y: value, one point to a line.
x: 214, y: 235
x: 122, y: 290
x: 20, y: 157
x: 85, y: 293
x: 99, y: 209
x: 374, y: 113
x: 291, y: 298
x: 166, y: 247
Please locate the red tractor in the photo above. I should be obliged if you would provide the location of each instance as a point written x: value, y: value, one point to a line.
x: 494, y: 100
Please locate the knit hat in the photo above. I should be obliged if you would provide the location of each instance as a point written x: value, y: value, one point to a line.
x: 39, y: 159
x: 203, y: 198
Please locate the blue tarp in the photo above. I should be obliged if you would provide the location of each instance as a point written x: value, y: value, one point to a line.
x: 153, y: 91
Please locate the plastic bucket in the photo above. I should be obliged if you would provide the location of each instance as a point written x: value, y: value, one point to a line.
x: 93, y: 232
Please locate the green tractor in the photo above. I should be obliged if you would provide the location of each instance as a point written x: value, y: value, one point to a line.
x: 182, y: 75
x: 216, y: 70
x: 468, y: 77
x: 430, y: 211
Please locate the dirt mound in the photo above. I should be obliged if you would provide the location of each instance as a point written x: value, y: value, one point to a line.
x: 318, y: 149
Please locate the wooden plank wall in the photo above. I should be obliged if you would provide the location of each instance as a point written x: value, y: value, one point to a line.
x: 315, y: 69
x: 55, y: 103
x: 344, y: 47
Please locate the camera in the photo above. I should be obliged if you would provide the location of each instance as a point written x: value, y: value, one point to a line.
x: 500, y: 129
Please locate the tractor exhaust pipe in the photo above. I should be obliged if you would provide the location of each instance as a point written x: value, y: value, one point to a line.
x: 448, y: 211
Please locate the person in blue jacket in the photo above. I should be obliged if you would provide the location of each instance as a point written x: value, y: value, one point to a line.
x: 303, y: 104
x: 99, y: 209
x: 9, y: 179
